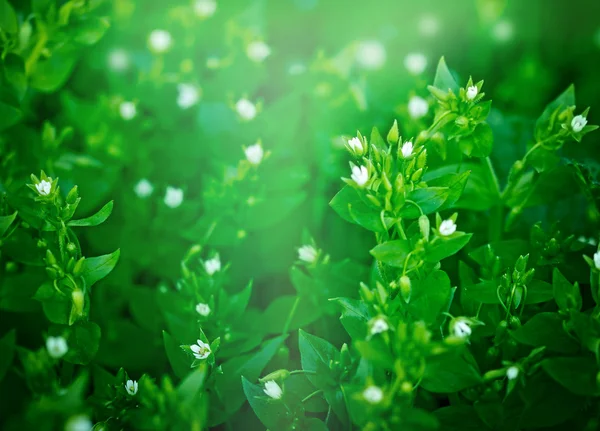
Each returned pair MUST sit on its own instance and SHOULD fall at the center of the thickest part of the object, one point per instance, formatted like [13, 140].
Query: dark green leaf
[451, 372]
[96, 268]
[446, 247]
[179, 360]
[429, 200]
[566, 295]
[83, 339]
[5, 222]
[479, 143]
[546, 329]
[7, 351]
[576, 374]
[98, 218]
[392, 252]
[430, 297]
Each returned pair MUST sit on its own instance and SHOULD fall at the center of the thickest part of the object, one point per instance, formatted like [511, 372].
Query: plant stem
[497, 213]
[37, 50]
[309, 396]
[288, 322]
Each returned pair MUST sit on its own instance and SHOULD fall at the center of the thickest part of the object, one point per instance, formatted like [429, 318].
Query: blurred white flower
[273, 390]
[143, 188]
[160, 41]
[415, 63]
[407, 149]
[597, 260]
[78, 423]
[429, 25]
[212, 265]
[131, 387]
[360, 175]
[205, 8]
[57, 347]
[447, 227]
[188, 95]
[200, 350]
[512, 372]
[472, 92]
[370, 55]
[118, 60]
[245, 109]
[373, 394]
[44, 187]
[254, 153]
[127, 110]
[203, 309]
[173, 197]
[258, 51]
[378, 325]
[503, 31]
[461, 328]
[355, 145]
[417, 107]
[578, 123]
[307, 253]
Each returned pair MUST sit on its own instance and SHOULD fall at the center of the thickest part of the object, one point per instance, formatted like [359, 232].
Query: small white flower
[131, 387]
[578, 123]
[258, 51]
[203, 309]
[512, 372]
[472, 92]
[273, 390]
[118, 60]
[597, 260]
[360, 175]
[356, 145]
[417, 107]
[173, 197]
[254, 154]
[160, 41]
[245, 109]
[127, 110]
[307, 253]
[371, 55]
[447, 227]
[200, 350]
[143, 188]
[373, 394]
[461, 328]
[56, 346]
[407, 149]
[503, 31]
[44, 187]
[378, 325]
[188, 95]
[79, 423]
[205, 8]
[212, 265]
[415, 63]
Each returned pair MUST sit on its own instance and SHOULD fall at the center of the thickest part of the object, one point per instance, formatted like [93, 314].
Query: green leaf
[179, 360]
[455, 183]
[7, 351]
[349, 206]
[544, 124]
[446, 247]
[376, 352]
[5, 222]
[9, 115]
[429, 199]
[392, 252]
[451, 372]
[444, 79]
[14, 71]
[315, 355]
[272, 413]
[98, 218]
[546, 329]
[430, 297]
[354, 318]
[538, 291]
[8, 18]
[90, 30]
[83, 340]
[96, 268]
[576, 374]
[479, 143]
[484, 292]
[566, 295]
[50, 74]
[459, 418]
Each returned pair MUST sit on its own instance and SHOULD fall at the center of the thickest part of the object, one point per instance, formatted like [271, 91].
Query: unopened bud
[462, 122]
[78, 301]
[72, 196]
[50, 259]
[78, 268]
[275, 375]
[424, 226]
[405, 288]
[71, 248]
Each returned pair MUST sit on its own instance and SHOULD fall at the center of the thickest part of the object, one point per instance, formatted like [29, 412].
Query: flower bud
[521, 264]
[78, 301]
[424, 226]
[72, 196]
[52, 273]
[275, 375]
[406, 387]
[462, 122]
[393, 134]
[405, 288]
[514, 322]
[50, 259]
[422, 159]
[41, 244]
[78, 268]
[552, 248]
[71, 248]
[416, 176]
[71, 264]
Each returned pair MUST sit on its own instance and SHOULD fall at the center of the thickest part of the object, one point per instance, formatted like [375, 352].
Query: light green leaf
[96, 219]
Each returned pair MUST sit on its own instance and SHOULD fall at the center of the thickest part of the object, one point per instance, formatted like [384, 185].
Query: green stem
[302, 372]
[37, 50]
[288, 322]
[309, 396]
[497, 212]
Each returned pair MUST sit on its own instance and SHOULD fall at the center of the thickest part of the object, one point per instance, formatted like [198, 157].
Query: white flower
[79, 423]
[254, 154]
[503, 31]
[415, 63]
[205, 8]
[200, 350]
[173, 197]
[356, 145]
[512, 372]
[118, 59]
[417, 107]
[160, 41]
[188, 95]
[56, 346]
[360, 175]
[370, 55]
[203, 309]
[373, 394]
[127, 110]
[131, 387]
[461, 328]
[212, 265]
[472, 92]
[597, 260]
[143, 188]
[378, 325]
[307, 253]
[273, 390]
[407, 149]
[447, 227]
[245, 109]
[578, 123]
[44, 187]
[258, 51]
